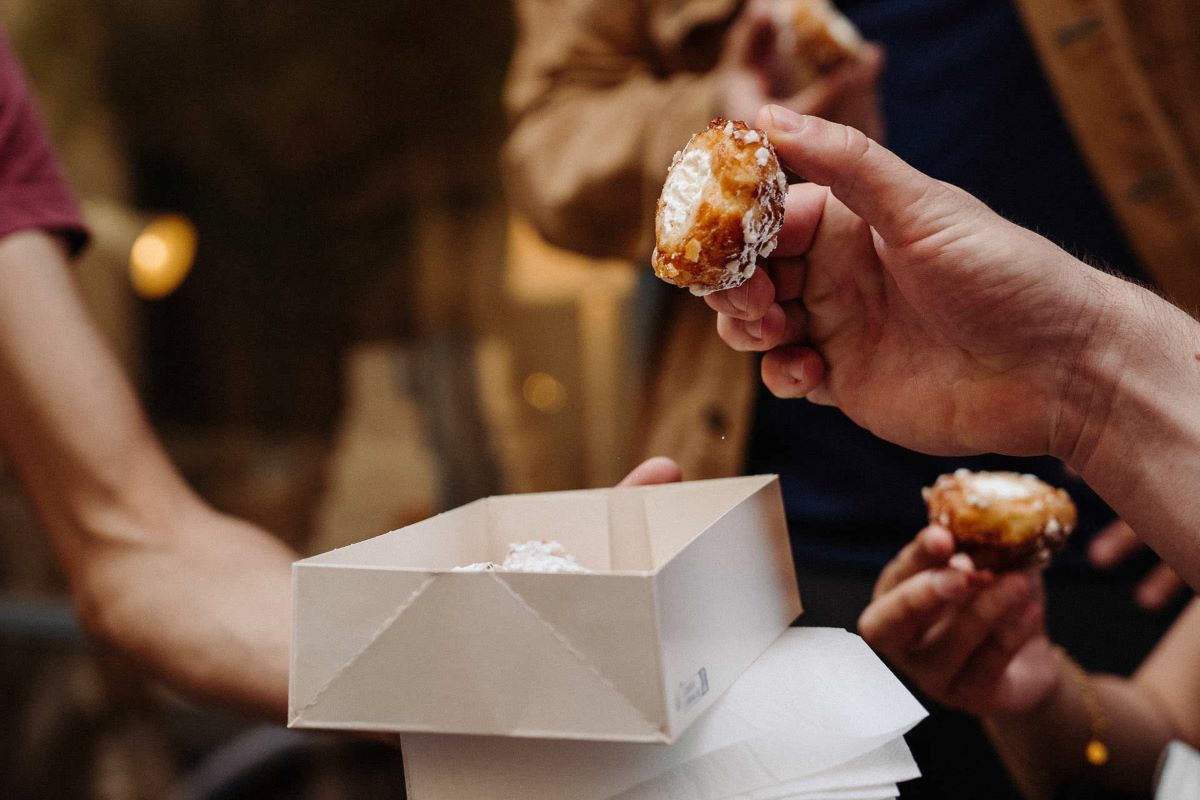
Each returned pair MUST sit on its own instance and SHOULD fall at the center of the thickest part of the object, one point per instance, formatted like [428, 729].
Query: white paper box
[691, 583]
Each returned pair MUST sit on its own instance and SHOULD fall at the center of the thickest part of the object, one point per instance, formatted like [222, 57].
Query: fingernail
[754, 329]
[784, 120]
[737, 299]
[962, 561]
[795, 371]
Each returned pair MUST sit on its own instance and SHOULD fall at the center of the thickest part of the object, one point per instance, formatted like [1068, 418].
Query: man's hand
[752, 72]
[968, 638]
[908, 304]
[1162, 585]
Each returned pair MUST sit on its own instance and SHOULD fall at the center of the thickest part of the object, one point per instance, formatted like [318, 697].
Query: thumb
[899, 202]
[659, 469]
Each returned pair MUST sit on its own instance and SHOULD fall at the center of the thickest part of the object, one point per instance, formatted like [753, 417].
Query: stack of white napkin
[817, 717]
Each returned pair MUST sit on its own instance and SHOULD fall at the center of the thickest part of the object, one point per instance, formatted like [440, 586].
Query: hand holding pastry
[970, 639]
[805, 56]
[908, 304]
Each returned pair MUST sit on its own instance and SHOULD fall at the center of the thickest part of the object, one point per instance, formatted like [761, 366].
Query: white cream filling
[1001, 487]
[683, 191]
[982, 489]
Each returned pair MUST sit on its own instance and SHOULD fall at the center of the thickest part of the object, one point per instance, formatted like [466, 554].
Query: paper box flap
[351, 619]
[458, 673]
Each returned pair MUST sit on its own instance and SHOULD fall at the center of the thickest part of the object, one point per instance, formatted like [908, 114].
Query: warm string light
[162, 256]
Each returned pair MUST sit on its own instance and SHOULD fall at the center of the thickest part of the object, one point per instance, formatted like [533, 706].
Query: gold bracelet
[1096, 752]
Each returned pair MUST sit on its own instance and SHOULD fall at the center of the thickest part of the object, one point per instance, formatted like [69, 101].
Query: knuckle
[855, 144]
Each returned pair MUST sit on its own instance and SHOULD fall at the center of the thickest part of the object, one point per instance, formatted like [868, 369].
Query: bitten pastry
[1003, 520]
[720, 209]
[815, 37]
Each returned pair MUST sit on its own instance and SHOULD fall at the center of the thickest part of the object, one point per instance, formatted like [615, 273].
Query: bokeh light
[162, 256]
[544, 392]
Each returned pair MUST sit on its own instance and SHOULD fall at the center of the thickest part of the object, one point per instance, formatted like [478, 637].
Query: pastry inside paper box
[536, 555]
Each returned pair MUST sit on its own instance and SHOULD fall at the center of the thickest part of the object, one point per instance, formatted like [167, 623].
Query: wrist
[1131, 389]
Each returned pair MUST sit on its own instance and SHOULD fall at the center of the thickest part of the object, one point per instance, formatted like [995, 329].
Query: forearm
[1139, 440]
[136, 545]
[1045, 748]
[80, 446]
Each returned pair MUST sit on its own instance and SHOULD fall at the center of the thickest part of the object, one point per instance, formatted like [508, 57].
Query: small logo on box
[691, 690]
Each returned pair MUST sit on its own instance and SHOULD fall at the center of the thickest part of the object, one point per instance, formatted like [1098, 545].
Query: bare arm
[1142, 715]
[976, 642]
[1136, 420]
[198, 598]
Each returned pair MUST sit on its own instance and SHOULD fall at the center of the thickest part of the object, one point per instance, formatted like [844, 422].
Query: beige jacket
[602, 92]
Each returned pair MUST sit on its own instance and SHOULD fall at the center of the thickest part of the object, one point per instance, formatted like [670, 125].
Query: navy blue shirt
[965, 101]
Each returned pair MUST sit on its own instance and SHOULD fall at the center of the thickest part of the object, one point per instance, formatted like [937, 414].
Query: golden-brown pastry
[720, 209]
[1003, 520]
[815, 37]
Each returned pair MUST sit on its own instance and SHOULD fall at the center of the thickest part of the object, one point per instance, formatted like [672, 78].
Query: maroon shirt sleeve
[33, 191]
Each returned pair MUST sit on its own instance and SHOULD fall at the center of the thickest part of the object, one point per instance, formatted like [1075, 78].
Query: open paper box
[691, 583]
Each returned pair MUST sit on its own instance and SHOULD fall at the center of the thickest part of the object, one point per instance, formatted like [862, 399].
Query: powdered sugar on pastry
[720, 210]
[1004, 520]
[532, 556]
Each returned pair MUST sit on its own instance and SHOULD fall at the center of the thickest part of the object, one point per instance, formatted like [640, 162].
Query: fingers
[897, 620]
[802, 212]
[949, 647]
[957, 643]
[751, 37]
[932, 547]
[901, 203]
[818, 97]
[1118, 542]
[659, 469]
[976, 682]
[1159, 589]
[1113, 544]
[781, 325]
[792, 371]
[749, 301]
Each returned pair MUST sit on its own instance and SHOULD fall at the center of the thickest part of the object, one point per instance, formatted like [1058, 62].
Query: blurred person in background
[197, 598]
[192, 596]
[1075, 119]
[1023, 349]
